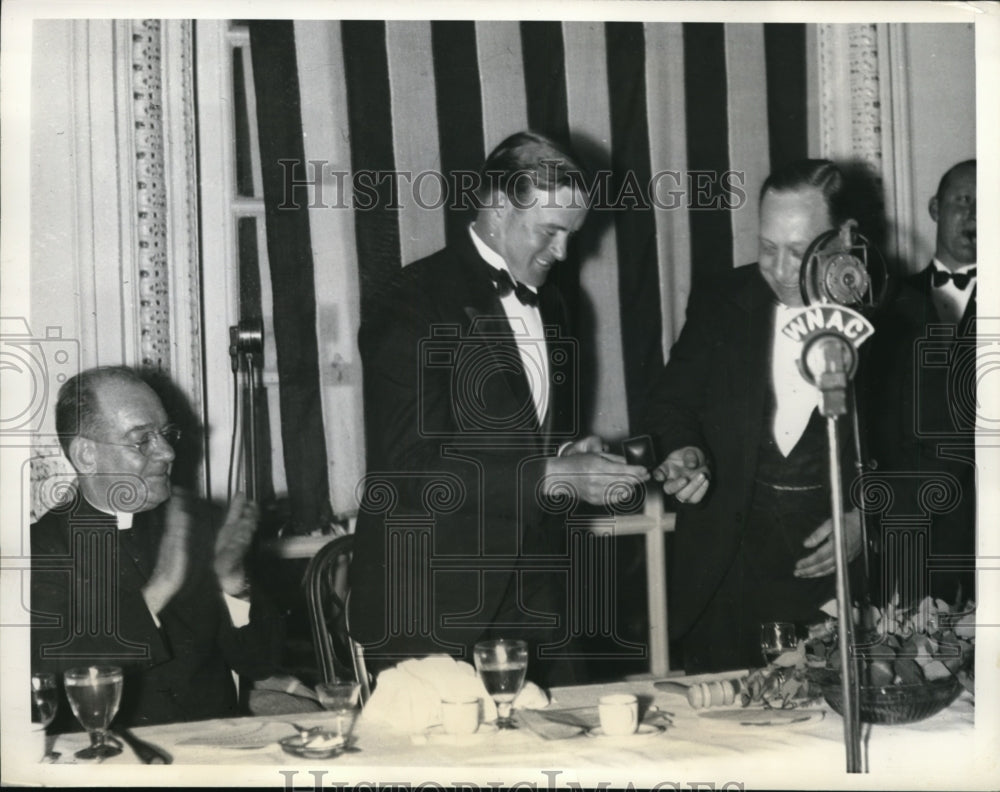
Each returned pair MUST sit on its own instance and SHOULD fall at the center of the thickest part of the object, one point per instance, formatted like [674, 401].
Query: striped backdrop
[673, 105]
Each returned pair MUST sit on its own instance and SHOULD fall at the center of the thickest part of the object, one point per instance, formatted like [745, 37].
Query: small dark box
[639, 451]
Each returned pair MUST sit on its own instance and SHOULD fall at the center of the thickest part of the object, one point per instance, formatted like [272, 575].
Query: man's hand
[823, 562]
[684, 474]
[172, 557]
[591, 444]
[600, 479]
[232, 544]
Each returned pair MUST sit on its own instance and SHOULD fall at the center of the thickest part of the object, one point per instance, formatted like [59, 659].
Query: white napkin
[407, 698]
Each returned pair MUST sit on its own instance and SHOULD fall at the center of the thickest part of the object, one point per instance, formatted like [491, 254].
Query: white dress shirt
[794, 397]
[529, 332]
[950, 300]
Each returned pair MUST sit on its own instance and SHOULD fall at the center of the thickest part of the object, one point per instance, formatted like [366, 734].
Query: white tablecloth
[937, 752]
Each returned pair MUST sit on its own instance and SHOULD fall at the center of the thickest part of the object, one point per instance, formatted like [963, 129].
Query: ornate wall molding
[864, 114]
[180, 150]
[866, 105]
[150, 193]
[126, 201]
[851, 106]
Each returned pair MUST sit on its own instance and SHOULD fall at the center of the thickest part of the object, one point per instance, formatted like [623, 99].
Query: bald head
[111, 425]
[953, 208]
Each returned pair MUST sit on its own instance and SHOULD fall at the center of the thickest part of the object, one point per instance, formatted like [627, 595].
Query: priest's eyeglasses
[170, 433]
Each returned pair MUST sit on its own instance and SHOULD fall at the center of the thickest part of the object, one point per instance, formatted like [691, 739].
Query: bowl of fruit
[912, 663]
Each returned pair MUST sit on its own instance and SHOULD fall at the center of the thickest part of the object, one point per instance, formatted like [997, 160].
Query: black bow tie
[506, 284]
[960, 279]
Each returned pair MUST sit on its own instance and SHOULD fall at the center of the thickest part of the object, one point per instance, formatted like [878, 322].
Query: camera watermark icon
[950, 367]
[32, 369]
[483, 372]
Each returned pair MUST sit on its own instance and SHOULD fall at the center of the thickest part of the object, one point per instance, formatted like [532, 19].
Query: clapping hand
[172, 558]
[684, 474]
[232, 544]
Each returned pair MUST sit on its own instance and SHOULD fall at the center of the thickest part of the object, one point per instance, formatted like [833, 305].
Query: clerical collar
[124, 519]
[491, 257]
[941, 267]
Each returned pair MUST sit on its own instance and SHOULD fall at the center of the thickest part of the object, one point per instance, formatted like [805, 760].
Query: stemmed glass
[44, 703]
[94, 693]
[340, 698]
[776, 638]
[502, 665]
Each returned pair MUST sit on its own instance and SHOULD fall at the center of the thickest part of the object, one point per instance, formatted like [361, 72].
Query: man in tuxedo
[471, 415]
[128, 573]
[743, 446]
[923, 406]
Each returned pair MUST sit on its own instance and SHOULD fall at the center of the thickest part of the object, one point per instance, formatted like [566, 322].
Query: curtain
[683, 119]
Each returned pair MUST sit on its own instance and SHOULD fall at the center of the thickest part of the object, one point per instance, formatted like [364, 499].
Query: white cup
[460, 716]
[619, 714]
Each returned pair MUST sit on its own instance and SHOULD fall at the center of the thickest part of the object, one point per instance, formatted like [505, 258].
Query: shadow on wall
[866, 199]
[189, 450]
[594, 156]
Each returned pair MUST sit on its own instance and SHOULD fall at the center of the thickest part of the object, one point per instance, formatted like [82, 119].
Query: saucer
[644, 730]
[764, 717]
[437, 734]
[322, 745]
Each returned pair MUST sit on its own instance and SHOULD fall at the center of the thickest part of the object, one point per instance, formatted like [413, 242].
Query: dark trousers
[759, 585]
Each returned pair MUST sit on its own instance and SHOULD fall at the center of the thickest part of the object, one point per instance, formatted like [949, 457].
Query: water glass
[502, 666]
[94, 693]
[776, 638]
[44, 704]
[341, 699]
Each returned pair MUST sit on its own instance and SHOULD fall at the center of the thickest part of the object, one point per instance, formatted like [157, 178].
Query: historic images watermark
[549, 780]
[316, 184]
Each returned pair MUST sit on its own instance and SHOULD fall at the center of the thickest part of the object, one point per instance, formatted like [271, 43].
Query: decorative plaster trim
[851, 118]
[866, 104]
[150, 193]
[180, 149]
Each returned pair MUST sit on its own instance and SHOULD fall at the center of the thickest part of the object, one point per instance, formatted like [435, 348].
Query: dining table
[676, 747]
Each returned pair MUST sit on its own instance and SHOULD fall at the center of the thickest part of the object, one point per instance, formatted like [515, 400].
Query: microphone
[843, 267]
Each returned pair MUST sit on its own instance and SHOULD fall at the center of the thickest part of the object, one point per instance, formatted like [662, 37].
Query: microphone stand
[250, 388]
[246, 345]
[832, 380]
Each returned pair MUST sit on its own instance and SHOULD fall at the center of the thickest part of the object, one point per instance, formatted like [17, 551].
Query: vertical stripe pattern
[602, 382]
[415, 145]
[787, 117]
[708, 148]
[291, 270]
[460, 114]
[502, 76]
[370, 125]
[545, 67]
[749, 158]
[638, 277]
[335, 252]
[667, 157]
[664, 110]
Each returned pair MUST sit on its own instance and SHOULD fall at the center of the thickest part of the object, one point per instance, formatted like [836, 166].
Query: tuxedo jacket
[455, 451]
[922, 425]
[87, 609]
[713, 394]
